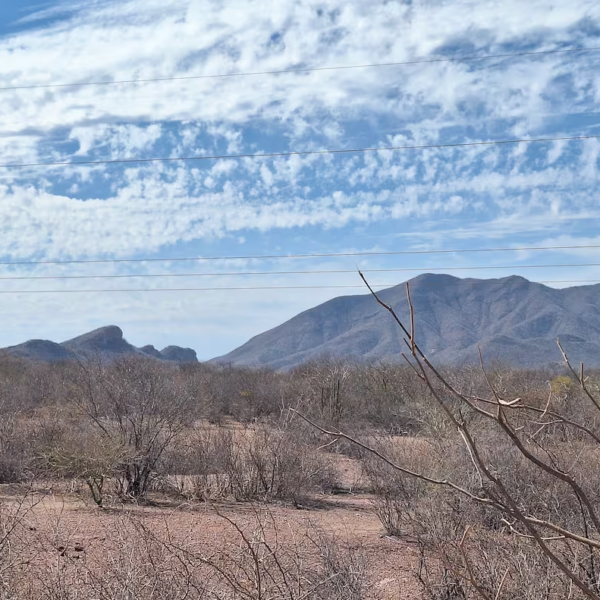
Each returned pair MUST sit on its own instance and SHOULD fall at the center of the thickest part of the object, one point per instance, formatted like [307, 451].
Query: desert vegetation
[482, 480]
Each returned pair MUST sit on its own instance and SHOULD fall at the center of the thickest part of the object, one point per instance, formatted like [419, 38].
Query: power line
[284, 287]
[282, 256]
[205, 289]
[293, 153]
[420, 61]
[312, 272]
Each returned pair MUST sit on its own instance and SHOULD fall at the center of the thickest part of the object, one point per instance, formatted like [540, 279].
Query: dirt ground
[61, 526]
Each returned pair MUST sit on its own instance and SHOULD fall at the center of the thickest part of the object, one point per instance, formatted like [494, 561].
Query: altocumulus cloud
[430, 198]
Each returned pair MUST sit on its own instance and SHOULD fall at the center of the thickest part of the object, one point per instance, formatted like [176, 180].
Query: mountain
[512, 319]
[151, 350]
[178, 354]
[43, 350]
[106, 342]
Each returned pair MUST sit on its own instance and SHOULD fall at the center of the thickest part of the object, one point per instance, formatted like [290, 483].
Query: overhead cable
[301, 256]
[311, 272]
[419, 61]
[285, 287]
[295, 153]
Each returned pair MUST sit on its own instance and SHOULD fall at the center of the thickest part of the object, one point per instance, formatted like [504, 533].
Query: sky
[457, 198]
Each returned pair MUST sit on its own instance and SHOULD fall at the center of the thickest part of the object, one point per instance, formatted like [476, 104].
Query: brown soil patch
[66, 528]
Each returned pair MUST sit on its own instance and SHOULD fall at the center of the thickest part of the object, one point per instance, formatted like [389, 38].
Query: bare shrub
[240, 393]
[137, 566]
[262, 565]
[263, 463]
[84, 455]
[14, 456]
[137, 406]
[12, 527]
[396, 493]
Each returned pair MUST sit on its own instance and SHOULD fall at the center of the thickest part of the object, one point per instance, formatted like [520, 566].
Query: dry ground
[63, 528]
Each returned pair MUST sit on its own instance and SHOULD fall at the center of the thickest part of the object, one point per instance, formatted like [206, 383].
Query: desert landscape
[139, 478]
[299, 300]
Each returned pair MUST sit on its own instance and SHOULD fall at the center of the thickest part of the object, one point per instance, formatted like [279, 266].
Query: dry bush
[84, 455]
[498, 558]
[138, 406]
[380, 394]
[263, 463]
[265, 562]
[22, 436]
[396, 494]
[132, 565]
[111, 422]
[463, 557]
[239, 393]
[13, 517]
[276, 464]
[14, 455]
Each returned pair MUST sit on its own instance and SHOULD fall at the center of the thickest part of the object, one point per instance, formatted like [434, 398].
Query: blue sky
[477, 197]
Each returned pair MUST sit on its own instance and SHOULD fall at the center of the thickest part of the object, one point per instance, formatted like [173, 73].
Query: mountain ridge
[107, 342]
[512, 319]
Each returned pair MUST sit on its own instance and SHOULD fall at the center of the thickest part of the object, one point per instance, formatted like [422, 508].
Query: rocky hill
[106, 342]
[512, 319]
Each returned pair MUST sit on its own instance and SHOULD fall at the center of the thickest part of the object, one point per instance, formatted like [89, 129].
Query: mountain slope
[512, 319]
[41, 350]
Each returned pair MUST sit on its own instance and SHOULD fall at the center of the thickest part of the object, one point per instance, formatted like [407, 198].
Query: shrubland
[490, 471]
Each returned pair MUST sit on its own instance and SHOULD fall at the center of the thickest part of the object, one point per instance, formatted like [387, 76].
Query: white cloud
[429, 197]
[156, 206]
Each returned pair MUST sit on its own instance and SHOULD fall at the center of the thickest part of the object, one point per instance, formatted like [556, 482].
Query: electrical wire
[286, 287]
[301, 256]
[419, 61]
[314, 272]
[295, 153]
